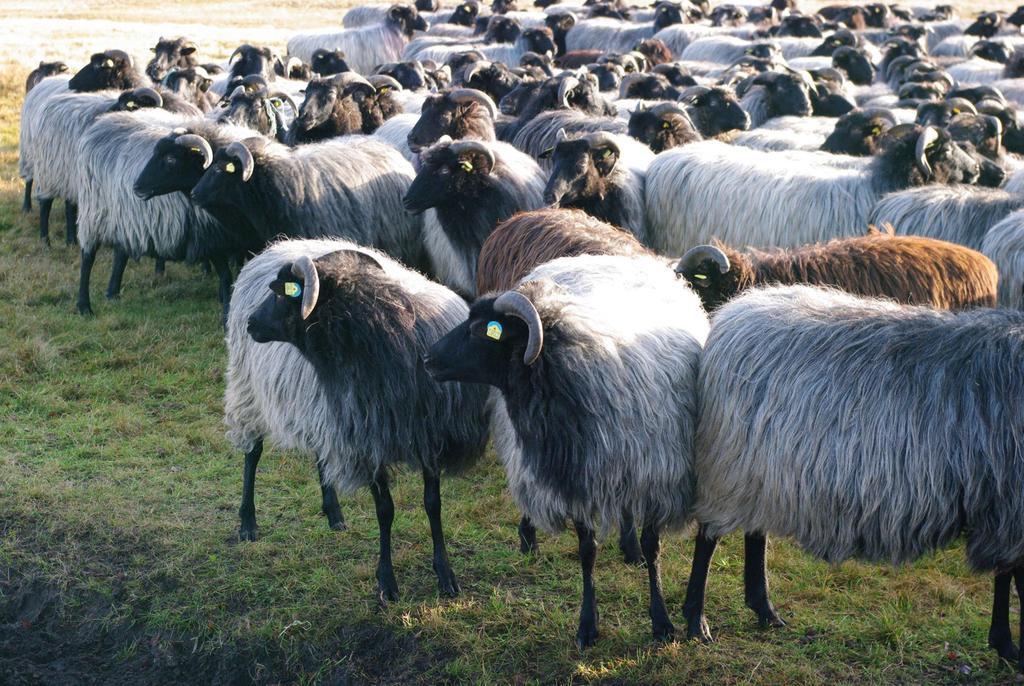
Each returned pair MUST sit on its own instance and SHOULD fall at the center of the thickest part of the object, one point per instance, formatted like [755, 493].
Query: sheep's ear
[605, 160]
[189, 48]
[546, 154]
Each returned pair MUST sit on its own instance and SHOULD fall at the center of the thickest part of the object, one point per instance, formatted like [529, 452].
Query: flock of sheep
[739, 265]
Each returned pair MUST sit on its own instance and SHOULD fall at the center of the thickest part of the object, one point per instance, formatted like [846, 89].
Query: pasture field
[119, 561]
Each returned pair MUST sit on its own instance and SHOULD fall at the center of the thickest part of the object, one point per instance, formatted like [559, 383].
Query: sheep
[31, 109]
[367, 15]
[330, 109]
[528, 239]
[328, 62]
[348, 187]
[663, 126]
[170, 54]
[937, 401]
[773, 94]
[745, 196]
[246, 60]
[192, 85]
[44, 70]
[594, 362]
[108, 70]
[253, 106]
[467, 188]
[909, 269]
[365, 47]
[714, 110]
[619, 36]
[603, 175]
[59, 125]
[541, 134]
[1004, 245]
[858, 132]
[111, 154]
[462, 113]
[328, 362]
[536, 40]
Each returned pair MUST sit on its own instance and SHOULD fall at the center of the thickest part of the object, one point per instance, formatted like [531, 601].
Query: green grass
[118, 494]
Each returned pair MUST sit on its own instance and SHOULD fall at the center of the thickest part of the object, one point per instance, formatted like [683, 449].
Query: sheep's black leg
[755, 580]
[1018, 575]
[71, 222]
[446, 582]
[117, 273]
[247, 529]
[387, 587]
[224, 294]
[45, 205]
[999, 636]
[26, 203]
[329, 502]
[661, 625]
[628, 543]
[161, 266]
[88, 257]
[527, 536]
[693, 607]
[586, 636]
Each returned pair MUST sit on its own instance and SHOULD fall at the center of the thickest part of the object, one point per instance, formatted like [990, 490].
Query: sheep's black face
[609, 76]
[799, 26]
[938, 113]
[858, 133]
[728, 15]
[483, 349]
[993, 51]
[279, 317]
[133, 100]
[188, 83]
[437, 118]
[667, 14]
[841, 38]
[855, 64]
[50, 69]
[407, 19]
[662, 132]
[828, 100]
[106, 70]
[249, 60]
[328, 63]
[502, 30]
[576, 170]
[221, 184]
[878, 15]
[982, 131]
[496, 80]
[986, 25]
[1017, 18]
[716, 111]
[790, 96]
[991, 174]
[677, 75]
[513, 102]
[650, 87]
[714, 287]
[503, 6]
[465, 14]
[170, 54]
[945, 161]
[410, 74]
[540, 41]
[252, 109]
[172, 167]
[446, 178]
[321, 96]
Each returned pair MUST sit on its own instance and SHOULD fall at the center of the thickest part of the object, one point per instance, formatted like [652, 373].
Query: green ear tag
[494, 330]
[292, 289]
[466, 165]
[229, 167]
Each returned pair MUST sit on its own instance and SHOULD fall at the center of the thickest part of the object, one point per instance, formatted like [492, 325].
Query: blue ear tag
[494, 330]
[292, 289]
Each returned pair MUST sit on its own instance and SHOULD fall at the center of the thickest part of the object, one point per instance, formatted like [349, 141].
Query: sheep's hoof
[1003, 645]
[586, 637]
[634, 558]
[45, 240]
[528, 547]
[338, 525]
[447, 584]
[85, 309]
[663, 630]
[698, 628]
[113, 296]
[770, 619]
[387, 588]
[247, 532]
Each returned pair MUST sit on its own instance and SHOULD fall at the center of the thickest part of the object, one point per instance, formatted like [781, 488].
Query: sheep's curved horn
[694, 256]
[963, 104]
[475, 146]
[472, 70]
[467, 95]
[235, 54]
[290, 64]
[195, 142]
[994, 124]
[306, 270]
[380, 81]
[287, 98]
[926, 139]
[347, 78]
[518, 305]
[564, 88]
[881, 113]
[602, 139]
[244, 157]
[665, 109]
[146, 91]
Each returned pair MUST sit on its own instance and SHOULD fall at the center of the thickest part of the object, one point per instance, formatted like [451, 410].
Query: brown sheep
[909, 269]
[528, 239]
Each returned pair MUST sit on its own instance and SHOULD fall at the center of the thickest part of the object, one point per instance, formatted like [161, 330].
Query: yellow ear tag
[699, 276]
[875, 130]
[229, 167]
[956, 111]
[465, 165]
[292, 289]
[195, 149]
[606, 153]
[383, 89]
[494, 330]
[130, 105]
[665, 125]
[109, 64]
